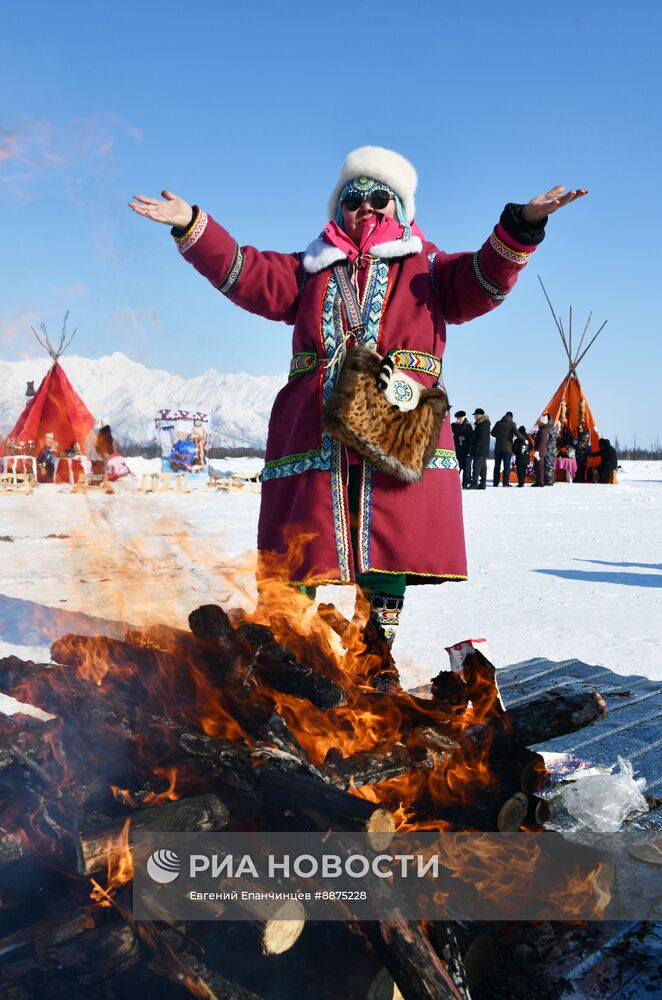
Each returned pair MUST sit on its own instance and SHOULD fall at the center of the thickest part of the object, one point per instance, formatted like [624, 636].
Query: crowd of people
[515, 449]
[96, 459]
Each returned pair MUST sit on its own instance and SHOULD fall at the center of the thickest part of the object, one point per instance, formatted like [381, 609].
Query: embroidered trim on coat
[304, 361]
[443, 458]
[407, 360]
[236, 267]
[365, 516]
[495, 293]
[292, 465]
[414, 572]
[332, 336]
[373, 303]
[515, 256]
[419, 361]
[193, 233]
[338, 507]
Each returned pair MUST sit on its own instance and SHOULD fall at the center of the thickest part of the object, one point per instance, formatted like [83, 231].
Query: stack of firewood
[241, 726]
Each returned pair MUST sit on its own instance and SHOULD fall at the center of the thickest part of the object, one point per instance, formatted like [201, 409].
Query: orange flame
[120, 866]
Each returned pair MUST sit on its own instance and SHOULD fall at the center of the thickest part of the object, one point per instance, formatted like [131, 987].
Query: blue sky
[249, 109]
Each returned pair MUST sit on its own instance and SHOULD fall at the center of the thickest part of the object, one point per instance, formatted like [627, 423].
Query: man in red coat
[327, 515]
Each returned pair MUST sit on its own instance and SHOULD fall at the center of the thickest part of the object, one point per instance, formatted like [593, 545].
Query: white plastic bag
[602, 802]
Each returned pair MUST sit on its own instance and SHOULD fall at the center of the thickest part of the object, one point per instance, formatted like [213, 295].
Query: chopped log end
[283, 931]
[539, 811]
[513, 813]
[381, 821]
[382, 987]
[380, 829]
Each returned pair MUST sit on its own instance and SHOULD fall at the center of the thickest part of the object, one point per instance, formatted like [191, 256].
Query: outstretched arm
[265, 283]
[470, 285]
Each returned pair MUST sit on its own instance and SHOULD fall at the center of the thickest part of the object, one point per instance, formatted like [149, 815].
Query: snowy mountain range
[127, 395]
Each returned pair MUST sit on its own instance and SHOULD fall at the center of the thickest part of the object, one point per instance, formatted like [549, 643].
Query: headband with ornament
[364, 186]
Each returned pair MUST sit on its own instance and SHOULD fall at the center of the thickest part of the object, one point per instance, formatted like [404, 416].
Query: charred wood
[109, 949]
[443, 936]
[326, 806]
[252, 649]
[411, 960]
[98, 848]
[184, 969]
[543, 719]
[427, 750]
[48, 932]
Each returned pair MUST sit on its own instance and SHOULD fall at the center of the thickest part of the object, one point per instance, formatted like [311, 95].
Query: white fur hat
[382, 165]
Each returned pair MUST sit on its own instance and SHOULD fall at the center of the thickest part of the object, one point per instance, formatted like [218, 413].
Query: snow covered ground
[574, 571]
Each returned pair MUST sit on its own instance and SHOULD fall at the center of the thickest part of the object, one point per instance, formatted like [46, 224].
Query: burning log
[111, 948]
[140, 671]
[473, 681]
[183, 969]
[14, 671]
[411, 960]
[277, 925]
[176, 641]
[46, 933]
[326, 806]
[98, 848]
[252, 648]
[543, 719]
[387, 760]
[443, 936]
[368, 767]
[202, 981]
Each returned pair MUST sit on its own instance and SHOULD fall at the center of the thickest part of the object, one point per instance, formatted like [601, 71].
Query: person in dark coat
[462, 433]
[504, 433]
[479, 449]
[582, 452]
[521, 451]
[540, 445]
[105, 447]
[608, 459]
[551, 451]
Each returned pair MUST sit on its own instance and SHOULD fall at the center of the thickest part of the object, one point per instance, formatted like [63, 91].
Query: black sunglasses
[377, 199]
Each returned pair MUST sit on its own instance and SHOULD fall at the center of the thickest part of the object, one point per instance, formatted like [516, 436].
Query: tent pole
[584, 333]
[593, 339]
[559, 325]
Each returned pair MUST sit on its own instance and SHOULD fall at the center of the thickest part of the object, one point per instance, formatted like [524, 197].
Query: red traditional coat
[410, 291]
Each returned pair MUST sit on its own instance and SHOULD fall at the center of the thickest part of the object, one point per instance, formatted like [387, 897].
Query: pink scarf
[377, 230]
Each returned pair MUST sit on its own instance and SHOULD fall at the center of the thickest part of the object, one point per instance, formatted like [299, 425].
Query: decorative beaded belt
[306, 361]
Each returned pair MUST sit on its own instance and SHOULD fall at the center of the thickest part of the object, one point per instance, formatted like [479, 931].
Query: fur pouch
[397, 441]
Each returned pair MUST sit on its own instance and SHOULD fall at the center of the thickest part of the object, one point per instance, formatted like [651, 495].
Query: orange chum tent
[569, 406]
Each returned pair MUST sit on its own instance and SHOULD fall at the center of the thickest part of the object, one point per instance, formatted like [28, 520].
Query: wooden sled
[164, 482]
[235, 483]
[17, 482]
[93, 483]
